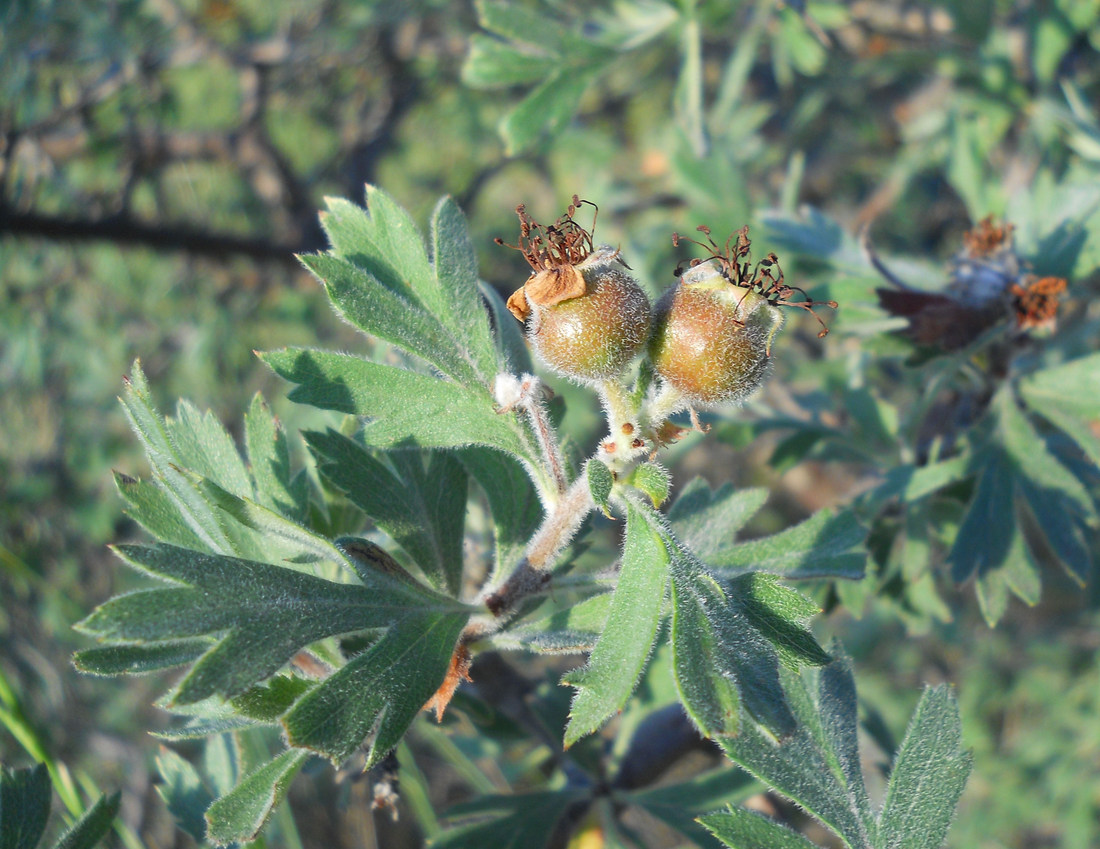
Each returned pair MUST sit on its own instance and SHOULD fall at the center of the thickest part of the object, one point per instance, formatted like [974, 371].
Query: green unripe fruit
[711, 339]
[586, 317]
[595, 335]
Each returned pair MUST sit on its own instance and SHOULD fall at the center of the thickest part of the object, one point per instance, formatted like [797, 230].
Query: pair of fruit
[708, 337]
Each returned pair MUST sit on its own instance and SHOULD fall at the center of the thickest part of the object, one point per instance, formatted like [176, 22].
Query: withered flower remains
[586, 317]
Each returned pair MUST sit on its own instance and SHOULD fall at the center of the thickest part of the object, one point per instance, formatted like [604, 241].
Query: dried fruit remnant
[987, 285]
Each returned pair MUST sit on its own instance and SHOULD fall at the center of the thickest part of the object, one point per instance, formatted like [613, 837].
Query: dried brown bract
[553, 252]
[987, 285]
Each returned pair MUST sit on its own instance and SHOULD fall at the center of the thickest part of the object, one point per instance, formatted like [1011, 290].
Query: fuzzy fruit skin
[711, 340]
[596, 335]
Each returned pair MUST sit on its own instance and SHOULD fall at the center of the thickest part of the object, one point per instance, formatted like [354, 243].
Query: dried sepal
[457, 672]
[1035, 301]
[987, 285]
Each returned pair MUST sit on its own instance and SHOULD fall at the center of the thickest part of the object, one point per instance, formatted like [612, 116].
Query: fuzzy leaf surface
[383, 240]
[929, 774]
[262, 614]
[653, 480]
[827, 545]
[24, 806]
[817, 766]
[167, 460]
[720, 659]
[269, 459]
[379, 692]
[403, 406]
[739, 828]
[377, 311]
[419, 501]
[153, 507]
[600, 483]
[454, 262]
[708, 520]
[238, 816]
[133, 659]
[624, 646]
[92, 826]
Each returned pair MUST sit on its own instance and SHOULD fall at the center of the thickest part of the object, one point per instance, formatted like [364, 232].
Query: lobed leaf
[454, 262]
[806, 767]
[624, 646]
[383, 240]
[546, 109]
[929, 774]
[403, 406]
[720, 659]
[1029, 454]
[262, 615]
[778, 612]
[167, 461]
[379, 692]
[154, 508]
[269, 459]
[1073, 388]
[205, 448]
[711, 699]
[573, 629]
[418, 499]
[986, 533]
[239, 815]
[826, 545]
[24, 806]
[377, 311]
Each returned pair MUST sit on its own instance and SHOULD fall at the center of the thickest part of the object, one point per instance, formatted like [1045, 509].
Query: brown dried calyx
[987, 286]
[553, 252]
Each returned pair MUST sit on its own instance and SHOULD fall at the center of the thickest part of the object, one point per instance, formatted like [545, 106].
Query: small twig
[533, 572]
[525, 393]
[876, 262]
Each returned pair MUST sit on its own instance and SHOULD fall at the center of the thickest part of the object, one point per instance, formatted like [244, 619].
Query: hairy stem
[533, 571]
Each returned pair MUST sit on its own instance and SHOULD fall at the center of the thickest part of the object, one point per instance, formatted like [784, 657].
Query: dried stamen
[765, 279]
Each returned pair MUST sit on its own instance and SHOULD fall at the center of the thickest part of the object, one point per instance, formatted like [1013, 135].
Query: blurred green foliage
[159, 156]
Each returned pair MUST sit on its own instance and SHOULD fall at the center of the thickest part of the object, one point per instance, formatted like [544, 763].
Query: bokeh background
[162, 160]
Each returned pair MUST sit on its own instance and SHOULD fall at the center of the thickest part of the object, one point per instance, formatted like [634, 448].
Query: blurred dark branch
[662, 739]
[126, 231]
